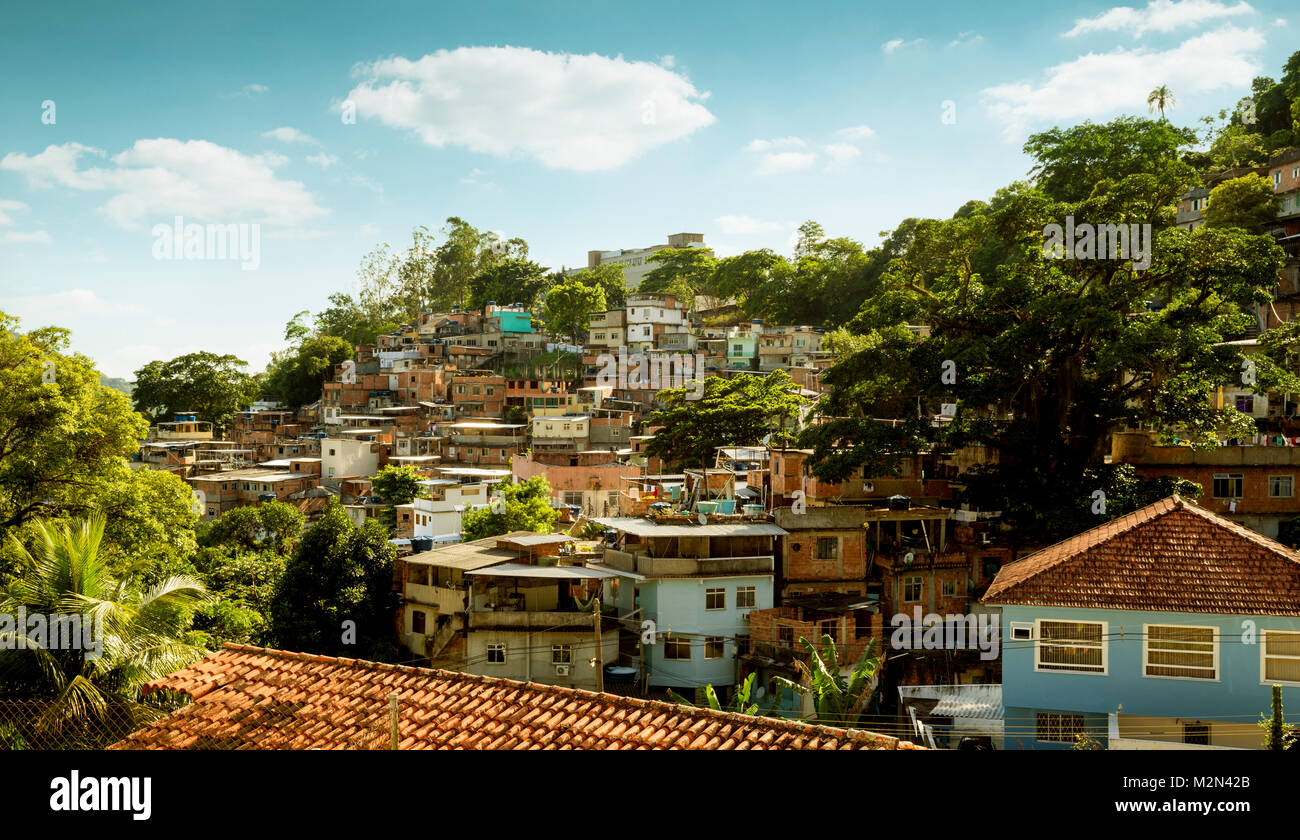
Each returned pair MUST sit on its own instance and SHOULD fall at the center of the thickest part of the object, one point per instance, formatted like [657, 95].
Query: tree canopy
[211, 386]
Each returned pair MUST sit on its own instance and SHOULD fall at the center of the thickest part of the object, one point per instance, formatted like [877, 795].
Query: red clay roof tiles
[1171, 556]
[255, 698]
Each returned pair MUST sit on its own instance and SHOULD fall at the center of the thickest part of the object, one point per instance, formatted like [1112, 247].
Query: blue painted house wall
[677, 606]
[1239, 693]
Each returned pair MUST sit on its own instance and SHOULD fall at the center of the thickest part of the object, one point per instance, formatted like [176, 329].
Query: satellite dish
[760, 692]
[907, 558]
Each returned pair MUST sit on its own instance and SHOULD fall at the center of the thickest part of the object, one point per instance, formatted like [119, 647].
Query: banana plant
[740, 701]
[840, 701]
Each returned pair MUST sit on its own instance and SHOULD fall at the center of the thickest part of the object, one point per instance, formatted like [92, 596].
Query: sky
[325, 129]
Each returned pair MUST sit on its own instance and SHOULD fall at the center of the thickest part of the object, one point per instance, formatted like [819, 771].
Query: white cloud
[323, 160]
[476, 178]
[71, 301]
[746, 225]
[777, 163]
[841, 153]
[36, 237]
[856, 132]
[1158, 16]
[890, 47]
[1280, 22]
[1105, 83]
[579, 112]
[965, 38]
[7, 206]
[288, 134]
[247, 91]
[366, 182]
[159, 178]
[775, 143]
[669, 61]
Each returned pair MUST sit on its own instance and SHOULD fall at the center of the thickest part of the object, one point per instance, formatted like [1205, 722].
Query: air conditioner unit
[562, 670]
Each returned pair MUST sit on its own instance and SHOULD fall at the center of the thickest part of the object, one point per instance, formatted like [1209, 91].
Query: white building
[636, 261]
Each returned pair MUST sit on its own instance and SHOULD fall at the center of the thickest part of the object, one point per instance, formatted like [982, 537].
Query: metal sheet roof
[646, 528]
[523, 570]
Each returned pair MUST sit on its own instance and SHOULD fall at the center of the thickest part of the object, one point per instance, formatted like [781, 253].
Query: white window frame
[720, 642]
[676, 643]
[1146, 663]
[715, 590]
[1290, 478]
[1237, 477]
[1025, 627]
[1058, 669]
[561, 654]
[907, 581]
[752, 592]
[1264, 657]
[492, 648]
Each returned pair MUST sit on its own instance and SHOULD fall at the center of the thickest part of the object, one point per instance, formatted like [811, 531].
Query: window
[785, 635]
[1280, 486]
[912, 587]
[746, 597]
[561, 654]
[1281, 653]
[573, 497]
[1022, 631]
[1228, 485]
[417, 621]
[1071, 646]
[948, 588]
[496, 654]
[1059, 728]
[828, 548]
[677, 649]
[829, 628]
[714, 647]
[715, 598]
[1246, 403]
[1277, 178]
[1180, 651]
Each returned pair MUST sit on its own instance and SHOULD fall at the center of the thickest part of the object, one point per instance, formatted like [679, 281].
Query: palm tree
[1161, 98]
[86, 693]
[840, 701]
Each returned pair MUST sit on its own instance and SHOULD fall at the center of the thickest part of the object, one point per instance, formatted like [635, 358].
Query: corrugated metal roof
[646, 528]
[524, 570]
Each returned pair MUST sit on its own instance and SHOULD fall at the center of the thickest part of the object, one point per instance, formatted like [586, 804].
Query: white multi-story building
[636, 261]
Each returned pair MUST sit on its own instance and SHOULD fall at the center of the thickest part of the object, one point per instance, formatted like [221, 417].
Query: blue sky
[573, 125]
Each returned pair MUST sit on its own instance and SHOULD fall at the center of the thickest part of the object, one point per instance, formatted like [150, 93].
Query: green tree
[838, 700]
[1045, 358]
[211, 386]
[271, 526]
[1278, 734]
[1160, 99]
[742, 410]
[1247, 202]
[509, 280]
[684, 272]
[297, 376]
[336, 595]
[741, 699]
[1237, 146]
[1074, 161]
[89, 695]
[523, 506]
[58, 439]
[397, 485]
[608, 276]
[569, 307]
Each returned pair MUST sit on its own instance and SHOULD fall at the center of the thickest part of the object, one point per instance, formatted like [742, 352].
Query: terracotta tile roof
[1171, 556]
[255, 698]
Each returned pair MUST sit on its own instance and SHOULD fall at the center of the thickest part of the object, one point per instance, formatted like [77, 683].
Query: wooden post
[600, 666]
[392, 720]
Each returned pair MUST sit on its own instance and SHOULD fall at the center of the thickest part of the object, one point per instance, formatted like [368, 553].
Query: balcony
[643, 564]
[525, 619]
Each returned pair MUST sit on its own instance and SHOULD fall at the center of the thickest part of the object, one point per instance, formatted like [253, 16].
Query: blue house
[696, 584]
[1163, 629]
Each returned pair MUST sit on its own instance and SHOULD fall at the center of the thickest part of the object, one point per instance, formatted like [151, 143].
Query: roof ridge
[619, 700]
